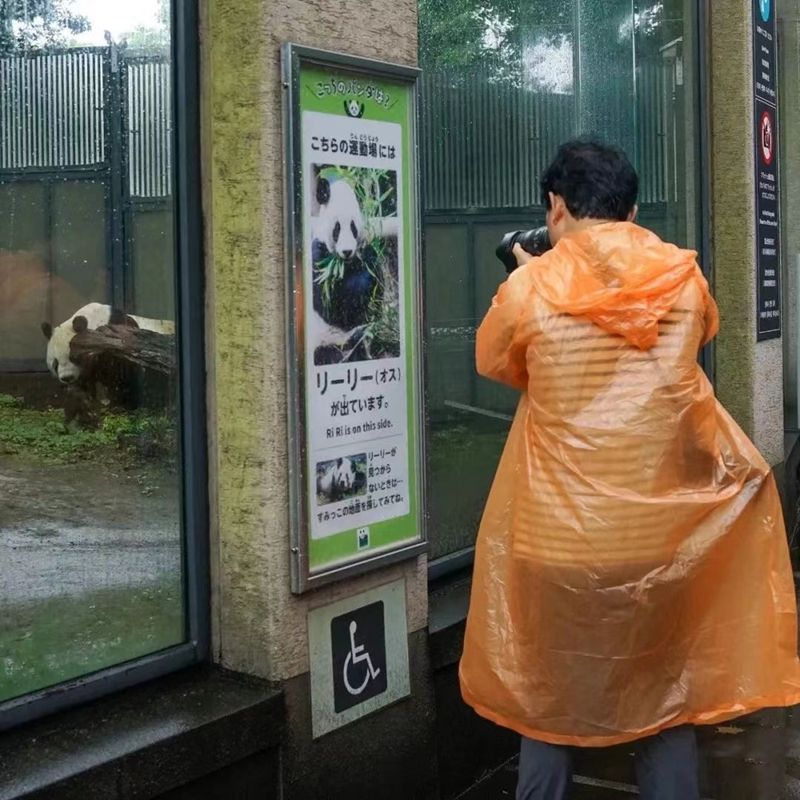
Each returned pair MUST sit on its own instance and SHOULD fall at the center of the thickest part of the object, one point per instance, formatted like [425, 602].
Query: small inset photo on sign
[354, 256]
[341, 478]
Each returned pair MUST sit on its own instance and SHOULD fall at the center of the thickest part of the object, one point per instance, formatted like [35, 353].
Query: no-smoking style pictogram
[767, 138]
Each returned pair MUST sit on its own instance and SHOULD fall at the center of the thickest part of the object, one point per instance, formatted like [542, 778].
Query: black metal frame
[190, 293]
[703, 104]
[302, 578]
[454, 564]
[115, 155]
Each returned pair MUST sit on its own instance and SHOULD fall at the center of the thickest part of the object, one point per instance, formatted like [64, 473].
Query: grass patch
[43, 436]
[55, 640]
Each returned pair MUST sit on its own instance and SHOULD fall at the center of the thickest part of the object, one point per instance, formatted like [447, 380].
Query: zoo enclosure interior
[104, 572]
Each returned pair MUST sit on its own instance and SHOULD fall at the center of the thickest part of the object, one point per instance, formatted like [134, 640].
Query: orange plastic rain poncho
[632, 570]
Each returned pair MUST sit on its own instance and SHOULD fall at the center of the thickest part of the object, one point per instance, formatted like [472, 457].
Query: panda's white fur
[338, 479]
[339, 227]
[340, 223]
[96, 315]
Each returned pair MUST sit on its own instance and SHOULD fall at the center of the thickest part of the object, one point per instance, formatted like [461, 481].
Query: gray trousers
[666, 768]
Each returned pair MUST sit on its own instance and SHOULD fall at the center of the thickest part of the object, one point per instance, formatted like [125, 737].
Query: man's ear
[558, 208]
[632, 215]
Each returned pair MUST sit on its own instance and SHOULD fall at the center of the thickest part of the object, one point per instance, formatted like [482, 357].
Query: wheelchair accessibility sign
[359, 656]
[358, 645]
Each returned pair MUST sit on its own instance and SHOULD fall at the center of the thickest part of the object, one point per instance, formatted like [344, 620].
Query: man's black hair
[597, 181]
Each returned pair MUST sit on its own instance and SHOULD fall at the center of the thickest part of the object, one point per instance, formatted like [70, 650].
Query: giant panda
[119, 379]
[89, 317]
[338, 325]
[337, 480]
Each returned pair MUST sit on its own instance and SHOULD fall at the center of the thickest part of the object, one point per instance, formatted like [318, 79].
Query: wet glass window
[91, 571]
[503, 85]
[789, 141]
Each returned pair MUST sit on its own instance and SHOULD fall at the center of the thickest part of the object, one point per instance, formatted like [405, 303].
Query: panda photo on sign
[341, 478]
[349, 280]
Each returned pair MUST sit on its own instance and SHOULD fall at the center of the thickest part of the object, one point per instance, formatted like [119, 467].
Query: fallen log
[147, 349]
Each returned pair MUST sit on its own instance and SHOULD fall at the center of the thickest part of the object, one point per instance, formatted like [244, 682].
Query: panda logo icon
[354, 109]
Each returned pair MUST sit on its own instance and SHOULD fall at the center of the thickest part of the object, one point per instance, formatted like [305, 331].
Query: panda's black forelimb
[349, 298]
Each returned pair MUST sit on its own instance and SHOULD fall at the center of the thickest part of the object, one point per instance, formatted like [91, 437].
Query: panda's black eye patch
[337, 229]
[354, 229]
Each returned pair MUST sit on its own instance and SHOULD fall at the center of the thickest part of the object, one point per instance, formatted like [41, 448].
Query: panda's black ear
[80, 324]
[119, 317]
[323, 191]
[47, 330]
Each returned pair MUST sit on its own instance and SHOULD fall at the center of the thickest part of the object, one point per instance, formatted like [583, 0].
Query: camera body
[536, 242]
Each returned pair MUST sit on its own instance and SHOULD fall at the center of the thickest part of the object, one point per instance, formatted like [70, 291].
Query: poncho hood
[620, 276]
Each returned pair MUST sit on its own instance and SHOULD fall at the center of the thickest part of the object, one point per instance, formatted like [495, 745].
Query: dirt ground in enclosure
[74, 529]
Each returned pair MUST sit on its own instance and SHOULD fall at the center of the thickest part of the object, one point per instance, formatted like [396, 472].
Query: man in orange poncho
[632, 576]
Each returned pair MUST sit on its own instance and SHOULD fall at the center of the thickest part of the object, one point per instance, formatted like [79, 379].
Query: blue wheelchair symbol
[766, 9]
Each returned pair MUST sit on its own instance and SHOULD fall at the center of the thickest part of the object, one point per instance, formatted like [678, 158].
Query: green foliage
[43, 436]
[151, 39]
[38, 24]
[384, 328]
[327, 272]
[462, 36]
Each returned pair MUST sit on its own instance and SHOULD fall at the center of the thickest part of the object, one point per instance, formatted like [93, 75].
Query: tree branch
[146, 349]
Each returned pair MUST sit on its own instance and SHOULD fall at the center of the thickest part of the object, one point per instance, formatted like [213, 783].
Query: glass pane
[78, 245]
[503, 85]
[789, 93]
[91, 551]
[152, 261]
[23, 275]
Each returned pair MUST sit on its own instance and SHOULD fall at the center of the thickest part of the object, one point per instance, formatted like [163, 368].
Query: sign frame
[766, 173]
[304, 575]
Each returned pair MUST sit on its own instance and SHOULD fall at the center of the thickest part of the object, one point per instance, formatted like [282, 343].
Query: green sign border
[322, 82]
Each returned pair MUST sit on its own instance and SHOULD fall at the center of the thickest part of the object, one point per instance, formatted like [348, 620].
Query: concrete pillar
[259, 627]
[746, 758]
[749, 374]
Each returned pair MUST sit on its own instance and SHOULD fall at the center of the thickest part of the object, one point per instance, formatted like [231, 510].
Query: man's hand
[521, 255]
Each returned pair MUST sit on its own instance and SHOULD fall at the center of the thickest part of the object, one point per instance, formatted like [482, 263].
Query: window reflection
[503, 86]
[90, 541]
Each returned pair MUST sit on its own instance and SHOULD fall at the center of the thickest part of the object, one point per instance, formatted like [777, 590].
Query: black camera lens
[536, 242]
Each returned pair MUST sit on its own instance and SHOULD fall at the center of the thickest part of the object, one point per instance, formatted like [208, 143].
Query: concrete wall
[749, 375]
[259, 627]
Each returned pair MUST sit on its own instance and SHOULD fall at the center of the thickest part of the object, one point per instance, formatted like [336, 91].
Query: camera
[535, 242]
